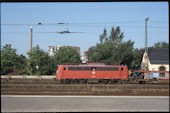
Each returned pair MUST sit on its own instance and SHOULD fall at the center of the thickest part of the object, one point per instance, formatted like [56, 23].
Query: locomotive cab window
[121, 69]
[64, 68]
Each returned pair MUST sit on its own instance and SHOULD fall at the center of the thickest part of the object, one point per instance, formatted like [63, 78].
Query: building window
[161, 68]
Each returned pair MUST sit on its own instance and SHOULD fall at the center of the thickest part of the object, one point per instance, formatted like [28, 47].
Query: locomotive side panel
[59, 73]
[124, 73]
[73, 72]
[92, 72]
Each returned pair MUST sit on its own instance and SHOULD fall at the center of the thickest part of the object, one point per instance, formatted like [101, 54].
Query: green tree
[103, 36]
[67, 55]
[161, 45]
[116, 35]
[8, 59]
[21, 64]
[11, 62]
[112, 50]
[89, 53]
[137, 58]
[39, 62]
[125, 53]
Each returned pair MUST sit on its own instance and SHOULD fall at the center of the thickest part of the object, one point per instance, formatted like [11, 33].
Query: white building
[53, 49]
[157, 59]
[83, 57]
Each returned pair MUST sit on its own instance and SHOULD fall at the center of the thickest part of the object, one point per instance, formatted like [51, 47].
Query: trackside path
[48, 103]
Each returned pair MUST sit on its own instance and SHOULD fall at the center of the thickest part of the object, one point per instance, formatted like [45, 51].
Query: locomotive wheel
[63, 81]
[67, 81]
[120, 82]
[114, 81]
[81, 81]
[105, 81]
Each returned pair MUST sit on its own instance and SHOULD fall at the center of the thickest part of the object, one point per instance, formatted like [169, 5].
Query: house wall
[144, 61]
[154, 67]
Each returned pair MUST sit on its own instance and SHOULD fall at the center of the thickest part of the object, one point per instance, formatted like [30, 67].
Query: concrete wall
[29, 76]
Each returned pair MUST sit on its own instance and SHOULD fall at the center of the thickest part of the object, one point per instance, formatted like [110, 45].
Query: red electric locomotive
[86, 73]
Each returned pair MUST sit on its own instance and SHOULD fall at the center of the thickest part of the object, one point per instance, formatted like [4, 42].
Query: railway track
[54, 81]
[52, 87]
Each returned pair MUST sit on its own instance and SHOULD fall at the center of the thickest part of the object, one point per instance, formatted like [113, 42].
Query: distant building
[157, 59]
[53, 49]
[83, 57]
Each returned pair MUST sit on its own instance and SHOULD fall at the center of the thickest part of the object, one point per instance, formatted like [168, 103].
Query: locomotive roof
[94, 65]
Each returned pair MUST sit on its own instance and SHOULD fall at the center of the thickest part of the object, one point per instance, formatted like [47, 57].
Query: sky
[87, 17]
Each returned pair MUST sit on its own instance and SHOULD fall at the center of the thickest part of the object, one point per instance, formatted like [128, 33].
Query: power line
[83, 25]
[91, 32]
[89, 24]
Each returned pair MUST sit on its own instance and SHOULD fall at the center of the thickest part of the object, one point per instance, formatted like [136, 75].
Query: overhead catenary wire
[85, 32]
[88, 24]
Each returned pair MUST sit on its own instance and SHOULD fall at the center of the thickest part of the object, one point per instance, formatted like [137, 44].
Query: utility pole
[146, 48]
[31, 38]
